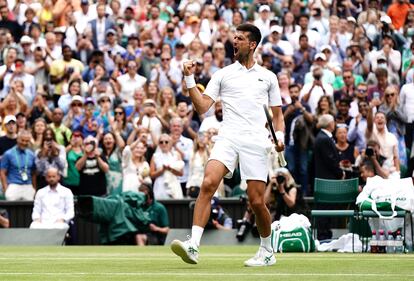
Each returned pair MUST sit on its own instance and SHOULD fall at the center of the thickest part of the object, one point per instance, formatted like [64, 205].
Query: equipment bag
[387, 195]
[292, 234]
[297, 240]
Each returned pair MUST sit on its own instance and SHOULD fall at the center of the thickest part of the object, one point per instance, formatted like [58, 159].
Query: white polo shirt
[129, 85]
[243, 92]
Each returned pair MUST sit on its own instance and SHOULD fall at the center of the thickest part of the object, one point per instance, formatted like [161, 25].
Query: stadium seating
[334, 192]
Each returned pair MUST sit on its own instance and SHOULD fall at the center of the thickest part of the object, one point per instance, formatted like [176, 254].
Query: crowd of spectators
[95, 90]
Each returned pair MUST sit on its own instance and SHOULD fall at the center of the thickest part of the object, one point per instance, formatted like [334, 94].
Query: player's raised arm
[201, 102]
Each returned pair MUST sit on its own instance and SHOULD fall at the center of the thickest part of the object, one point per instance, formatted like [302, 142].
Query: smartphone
[90, 146]
[105, 78]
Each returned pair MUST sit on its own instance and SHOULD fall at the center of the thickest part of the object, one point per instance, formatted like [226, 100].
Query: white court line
[149, 255]
[274, 274]
[171, 256]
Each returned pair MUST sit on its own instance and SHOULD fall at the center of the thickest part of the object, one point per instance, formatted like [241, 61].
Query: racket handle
[282, 160]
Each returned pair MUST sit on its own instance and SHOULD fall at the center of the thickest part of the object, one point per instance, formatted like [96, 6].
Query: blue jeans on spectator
[297, 164]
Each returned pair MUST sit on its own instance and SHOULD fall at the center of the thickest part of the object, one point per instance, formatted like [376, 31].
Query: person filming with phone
[312, 92]
[92, 168]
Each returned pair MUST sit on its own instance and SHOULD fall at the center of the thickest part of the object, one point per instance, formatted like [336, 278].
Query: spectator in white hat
[263, 22]
[74, 116]
[277, 47]
[387, 29]
[9, 139]
[149, 119]
[26, 43]
[333, 59]
[321, 61]
[315, 89]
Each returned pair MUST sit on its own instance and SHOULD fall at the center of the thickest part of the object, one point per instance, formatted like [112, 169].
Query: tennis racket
[280, 155]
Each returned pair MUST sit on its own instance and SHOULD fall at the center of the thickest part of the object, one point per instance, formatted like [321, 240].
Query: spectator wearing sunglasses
[75, 114]
[396, 119]
[119, 123]
[165, 168]
[90, 123]
[165, 74]
[104, 112]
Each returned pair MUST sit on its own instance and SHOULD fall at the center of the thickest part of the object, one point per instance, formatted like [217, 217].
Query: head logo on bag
[291, 234]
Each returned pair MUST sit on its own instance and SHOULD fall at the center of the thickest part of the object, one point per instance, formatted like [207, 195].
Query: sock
[196, 233]
[266, 242]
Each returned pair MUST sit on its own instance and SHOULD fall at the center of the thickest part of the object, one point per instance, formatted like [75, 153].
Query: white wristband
[189, 81]
[280, 136]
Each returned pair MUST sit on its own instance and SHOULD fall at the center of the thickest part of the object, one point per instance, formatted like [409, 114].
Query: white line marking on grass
[144, 256]
[29, 258]
[274, 274]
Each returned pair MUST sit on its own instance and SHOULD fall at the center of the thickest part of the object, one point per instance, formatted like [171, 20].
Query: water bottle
[390, 243]
[399, 247]
[382, 243]
[374, 242]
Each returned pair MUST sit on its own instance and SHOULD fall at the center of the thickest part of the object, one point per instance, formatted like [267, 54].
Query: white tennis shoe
[187, 250]
[262, 258]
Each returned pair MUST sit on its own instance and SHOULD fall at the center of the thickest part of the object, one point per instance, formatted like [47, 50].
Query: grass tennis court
[216, 263]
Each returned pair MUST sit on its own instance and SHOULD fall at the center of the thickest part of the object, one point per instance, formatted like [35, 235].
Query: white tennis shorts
[250, 152]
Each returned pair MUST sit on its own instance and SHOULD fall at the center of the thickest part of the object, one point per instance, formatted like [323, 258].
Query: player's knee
[209, 186]
[257, 204]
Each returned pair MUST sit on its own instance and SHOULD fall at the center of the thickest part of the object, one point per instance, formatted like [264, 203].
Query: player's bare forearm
[278, 120]
[201, 102]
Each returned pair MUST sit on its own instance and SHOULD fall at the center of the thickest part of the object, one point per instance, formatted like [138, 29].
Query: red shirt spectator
[398, 13]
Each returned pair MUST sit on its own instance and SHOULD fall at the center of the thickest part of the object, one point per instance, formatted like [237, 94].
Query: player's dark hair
[254, 32]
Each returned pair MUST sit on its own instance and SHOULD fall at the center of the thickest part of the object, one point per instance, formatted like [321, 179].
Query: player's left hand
[280, 146]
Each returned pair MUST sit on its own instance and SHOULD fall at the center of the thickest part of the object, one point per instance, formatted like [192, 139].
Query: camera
[243, 227]
[280, 179]
[317, 12]
[70, 70]
[214, 214]
[369, 151]
[317, 76]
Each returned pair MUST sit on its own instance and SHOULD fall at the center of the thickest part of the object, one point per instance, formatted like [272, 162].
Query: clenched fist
[189, 67]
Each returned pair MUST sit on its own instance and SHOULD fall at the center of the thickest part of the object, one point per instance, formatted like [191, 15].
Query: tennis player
[243, 88]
